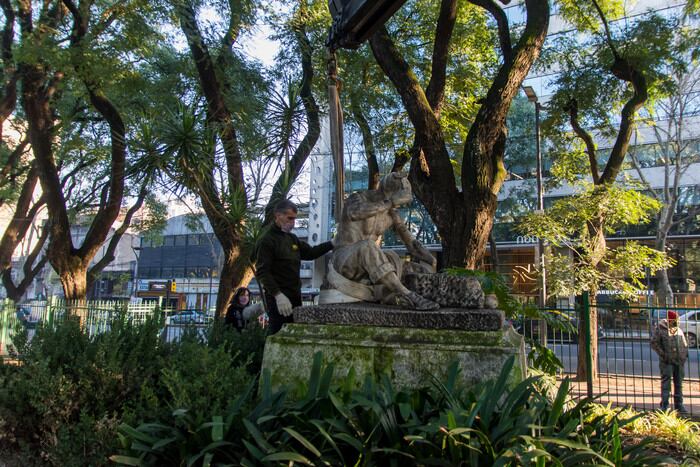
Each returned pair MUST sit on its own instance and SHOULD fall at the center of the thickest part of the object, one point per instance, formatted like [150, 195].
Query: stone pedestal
[408, 346]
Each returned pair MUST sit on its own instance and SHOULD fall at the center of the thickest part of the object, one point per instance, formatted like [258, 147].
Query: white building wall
[321, 188]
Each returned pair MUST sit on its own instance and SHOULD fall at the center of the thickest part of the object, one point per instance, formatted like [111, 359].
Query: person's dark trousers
[276, 319]
[671, 371]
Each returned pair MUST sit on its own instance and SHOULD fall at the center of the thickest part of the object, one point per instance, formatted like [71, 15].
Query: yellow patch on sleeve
[295, 247]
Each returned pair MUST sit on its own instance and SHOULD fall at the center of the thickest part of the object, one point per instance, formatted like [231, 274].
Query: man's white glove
[284, 306]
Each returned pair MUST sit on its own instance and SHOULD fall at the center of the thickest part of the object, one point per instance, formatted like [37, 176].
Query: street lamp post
[137, 255]
[532, 97]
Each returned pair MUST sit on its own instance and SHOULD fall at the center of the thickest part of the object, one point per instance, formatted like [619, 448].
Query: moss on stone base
[409, 356]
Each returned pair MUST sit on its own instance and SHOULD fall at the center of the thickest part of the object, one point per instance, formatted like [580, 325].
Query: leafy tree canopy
[566, 226]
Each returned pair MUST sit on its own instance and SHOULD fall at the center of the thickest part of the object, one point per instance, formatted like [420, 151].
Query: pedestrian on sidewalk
[669, 342]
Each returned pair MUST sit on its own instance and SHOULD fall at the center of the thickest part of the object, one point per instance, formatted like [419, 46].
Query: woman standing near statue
[241, 310]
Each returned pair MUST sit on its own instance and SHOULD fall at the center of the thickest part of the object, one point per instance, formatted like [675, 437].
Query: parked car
[188, 317]
[689, 322]
[24, 316]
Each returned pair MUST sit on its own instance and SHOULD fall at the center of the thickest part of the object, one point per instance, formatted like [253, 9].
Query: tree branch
[482, 166]
[9, 97]
[642, 177]
[109, 208]
[13, 159]
[291, 172]
[108, 256]
[217, 110]
[432, 176]
[21, 219]
[503, 28]
[608, 36]
[367, 142]
[625, 70]
[30, 270]
[572, 109]
[435, 91]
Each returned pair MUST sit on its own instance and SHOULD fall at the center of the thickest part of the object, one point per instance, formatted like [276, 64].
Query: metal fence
[628, 372]
[96, 317]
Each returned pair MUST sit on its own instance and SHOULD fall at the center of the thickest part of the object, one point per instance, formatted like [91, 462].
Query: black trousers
[276, 319]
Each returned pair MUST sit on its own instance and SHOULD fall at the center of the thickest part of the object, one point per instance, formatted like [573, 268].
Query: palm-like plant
[287, 122]
[376, 424]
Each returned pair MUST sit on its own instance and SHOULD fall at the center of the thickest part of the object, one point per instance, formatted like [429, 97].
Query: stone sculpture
[360, 270]
[403, 342]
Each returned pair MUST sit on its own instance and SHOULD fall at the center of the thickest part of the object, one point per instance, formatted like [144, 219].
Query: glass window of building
[169, 240]
[193, 239]
[151, 273]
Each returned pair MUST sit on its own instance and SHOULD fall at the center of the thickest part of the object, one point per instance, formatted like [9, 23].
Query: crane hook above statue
[354, 21]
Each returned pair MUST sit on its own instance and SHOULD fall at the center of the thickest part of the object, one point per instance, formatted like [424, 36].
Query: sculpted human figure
[366, 272]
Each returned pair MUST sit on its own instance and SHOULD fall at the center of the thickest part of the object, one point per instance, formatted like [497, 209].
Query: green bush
[68, 392]
[377, 425]
[202, 379]
[246, 347]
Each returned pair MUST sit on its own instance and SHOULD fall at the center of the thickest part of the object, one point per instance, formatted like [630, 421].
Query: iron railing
[628, 372]
[96, 317]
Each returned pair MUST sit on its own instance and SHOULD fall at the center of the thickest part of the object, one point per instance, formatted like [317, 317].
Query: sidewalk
[641, 393]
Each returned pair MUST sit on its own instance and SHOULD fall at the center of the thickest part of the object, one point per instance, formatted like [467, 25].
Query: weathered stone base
[408, 355]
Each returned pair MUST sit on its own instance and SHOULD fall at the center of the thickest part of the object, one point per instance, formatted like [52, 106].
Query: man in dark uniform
[278, 258]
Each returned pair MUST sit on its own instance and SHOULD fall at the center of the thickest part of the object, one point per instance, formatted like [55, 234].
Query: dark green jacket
[278, 257]
[672, 347]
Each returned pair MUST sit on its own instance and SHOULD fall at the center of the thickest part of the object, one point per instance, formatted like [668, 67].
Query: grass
[681, 434]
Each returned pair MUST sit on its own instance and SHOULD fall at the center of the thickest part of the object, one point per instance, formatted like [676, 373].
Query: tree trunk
[596, 231]
[235, 273]
[664, 292]
[463, 217]
[581, 370]
[74, 282]
[480, 213]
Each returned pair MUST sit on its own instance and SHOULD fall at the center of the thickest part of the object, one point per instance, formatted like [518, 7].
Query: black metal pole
[540, 243]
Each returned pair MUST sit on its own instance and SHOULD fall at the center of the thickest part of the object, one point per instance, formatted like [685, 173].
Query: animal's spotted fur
[447, 290]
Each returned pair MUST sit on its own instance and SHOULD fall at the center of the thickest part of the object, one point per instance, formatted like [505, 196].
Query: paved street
[625, 357]
[629, 374]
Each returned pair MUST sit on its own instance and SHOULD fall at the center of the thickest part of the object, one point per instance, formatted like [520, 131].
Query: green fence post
[587, 335]
[48, 312]
[4, 325]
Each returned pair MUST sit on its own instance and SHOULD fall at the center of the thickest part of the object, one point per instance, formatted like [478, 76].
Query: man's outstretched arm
[308, 252]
